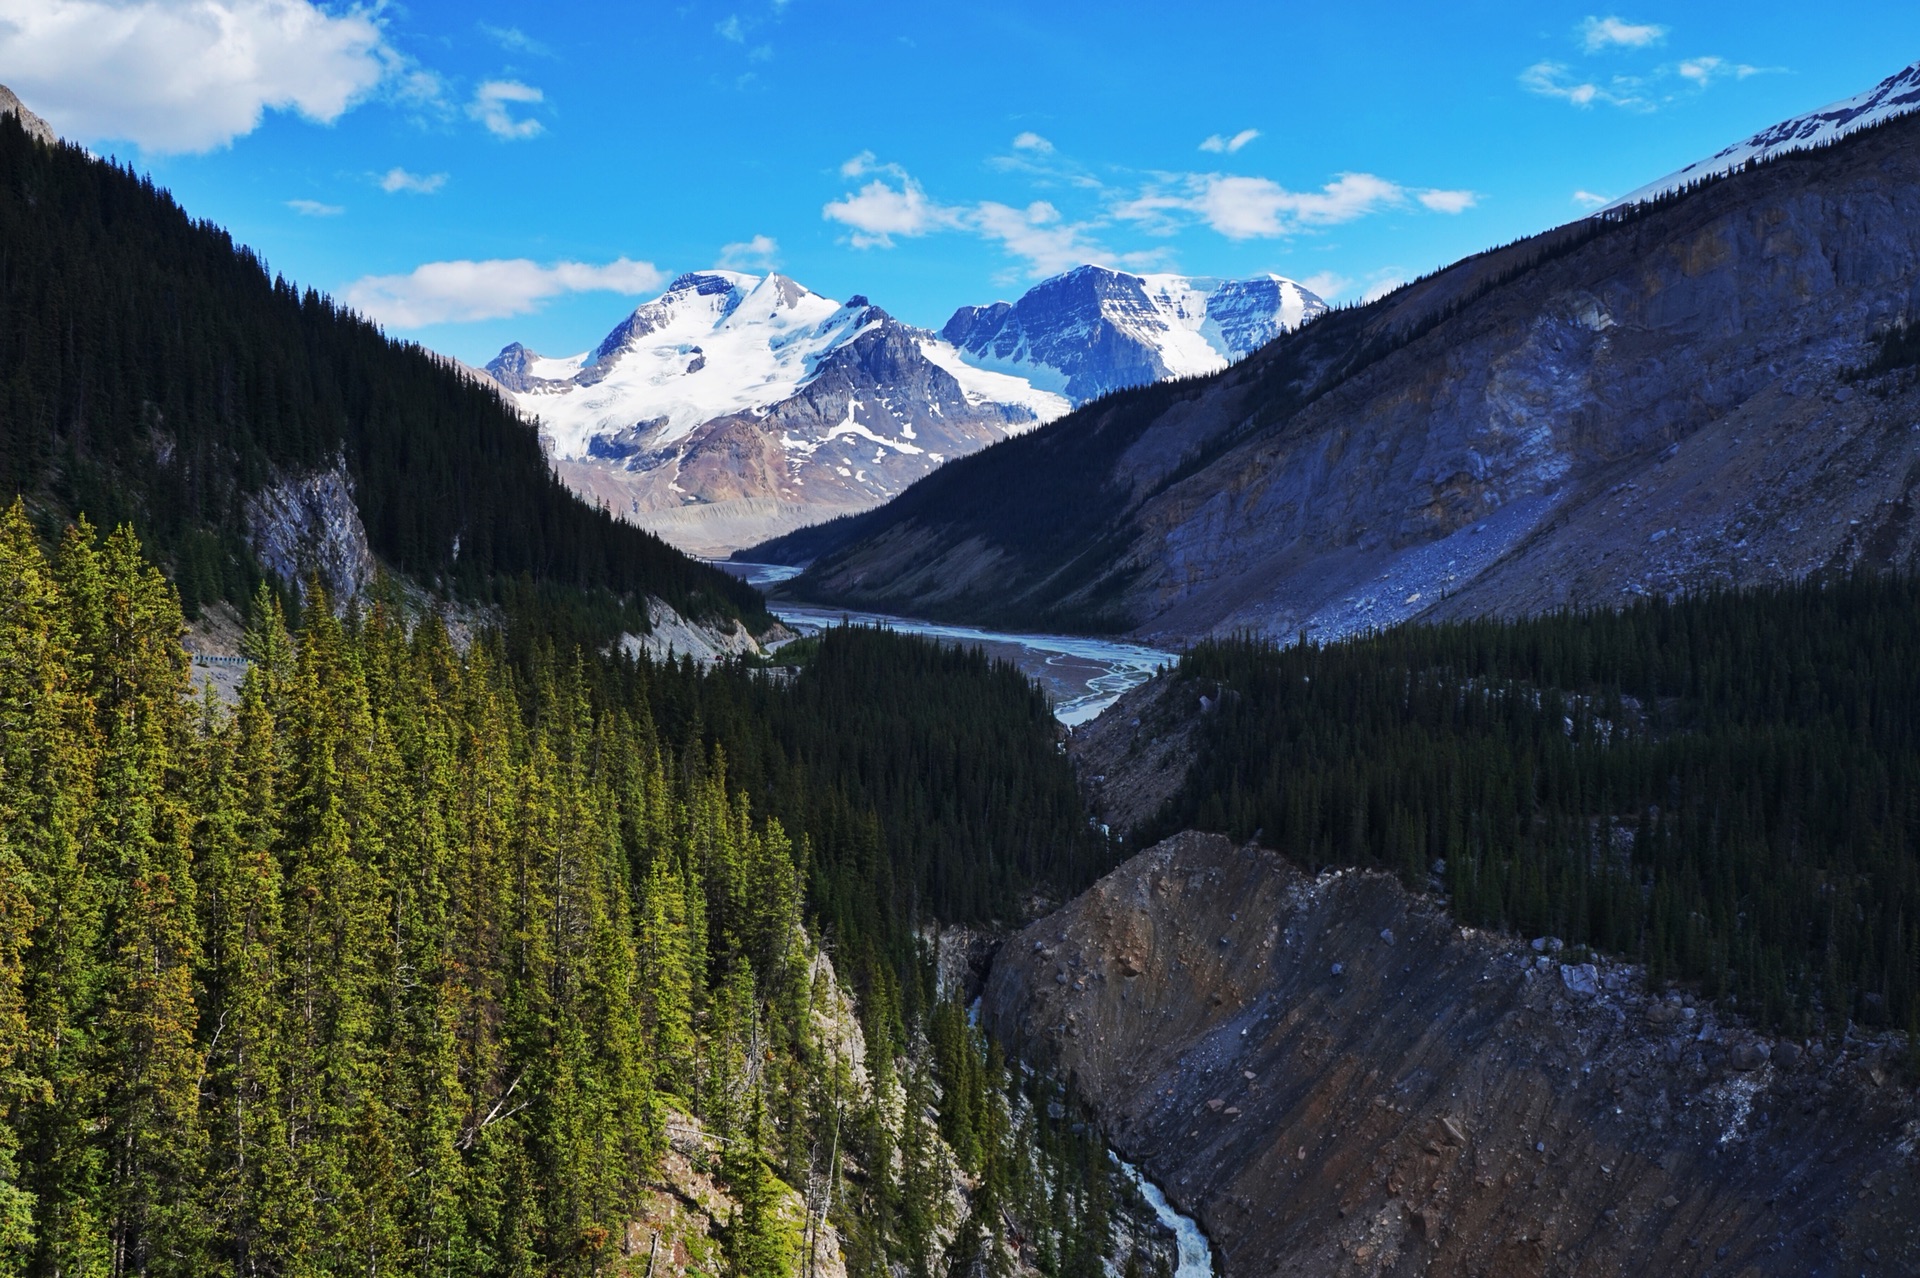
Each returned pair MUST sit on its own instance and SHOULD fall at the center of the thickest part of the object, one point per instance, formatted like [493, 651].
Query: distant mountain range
[1092, 330]
[735, 407]
[1715, 385]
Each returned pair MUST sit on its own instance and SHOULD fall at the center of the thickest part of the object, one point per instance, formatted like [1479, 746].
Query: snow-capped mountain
[734, 407]
[1895, 95]
[1093, 330]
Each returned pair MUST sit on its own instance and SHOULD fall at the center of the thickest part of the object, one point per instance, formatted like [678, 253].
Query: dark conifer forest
[413, 959]
[405, 962]
[1726, 787]
[153, 372]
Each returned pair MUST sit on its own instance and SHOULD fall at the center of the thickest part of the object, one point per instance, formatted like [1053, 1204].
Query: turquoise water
[1080, 676]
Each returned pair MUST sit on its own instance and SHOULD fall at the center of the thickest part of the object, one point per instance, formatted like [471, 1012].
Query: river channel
[1080, 676]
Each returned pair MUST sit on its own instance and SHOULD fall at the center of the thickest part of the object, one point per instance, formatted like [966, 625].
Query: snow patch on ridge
[1896, 95]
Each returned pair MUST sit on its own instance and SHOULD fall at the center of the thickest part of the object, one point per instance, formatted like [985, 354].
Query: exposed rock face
[1639, 408]
[307, 526]
[673, 636]
[737, 407]
[1336, 1079]
[1094, 330]
[33, 124]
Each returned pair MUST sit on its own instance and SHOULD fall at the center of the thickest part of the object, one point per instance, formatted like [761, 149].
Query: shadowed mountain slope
[1658, 399]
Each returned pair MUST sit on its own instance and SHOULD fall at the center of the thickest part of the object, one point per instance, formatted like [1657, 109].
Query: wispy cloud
[1590, 199]
[1448, 201]
[1647, 88]
[761, 253]
[514, 40]
[1244, 208]
[1031, 141]
[491, 103]
[731, 28]
[1661, 86]
[179, 77]
[1229, 146]
[1558, 80]
[1613, 33]
[314, 208]
[1709, 70]
[892, 205]
[895, 205]
[463, 291]
[1036, 234]
[397, 180]
[1327, 284]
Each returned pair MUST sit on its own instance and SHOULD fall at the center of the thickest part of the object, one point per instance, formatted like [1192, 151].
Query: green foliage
[398, 964]
[1726, 787]
[152, 372]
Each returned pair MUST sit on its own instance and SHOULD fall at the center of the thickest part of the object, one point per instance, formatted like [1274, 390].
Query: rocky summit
[736, 407]
[1095, 330]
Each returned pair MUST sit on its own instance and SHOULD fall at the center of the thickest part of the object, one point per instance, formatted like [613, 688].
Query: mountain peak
[10, 104]
[1896, 95]
[1095, 329]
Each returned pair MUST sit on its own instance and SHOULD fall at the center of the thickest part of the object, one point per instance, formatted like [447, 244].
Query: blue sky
[474, 174]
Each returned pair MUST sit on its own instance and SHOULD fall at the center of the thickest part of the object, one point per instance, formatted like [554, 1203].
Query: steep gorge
[1335, 1078]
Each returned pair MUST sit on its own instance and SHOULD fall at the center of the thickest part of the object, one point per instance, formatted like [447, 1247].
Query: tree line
[1726, 786]
[153, 372]
[402, 962]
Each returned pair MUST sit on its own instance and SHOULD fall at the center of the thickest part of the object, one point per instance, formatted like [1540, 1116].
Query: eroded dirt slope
[1335, 1078]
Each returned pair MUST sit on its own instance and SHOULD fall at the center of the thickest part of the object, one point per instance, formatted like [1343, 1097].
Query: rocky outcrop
[1661, 402]
[1094, 330]
[671, 637]
[33, 124]
[735, 407]
[1337, 1079]
[308, 526]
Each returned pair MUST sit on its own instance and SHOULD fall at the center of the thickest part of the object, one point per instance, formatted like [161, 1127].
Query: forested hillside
[404, 963]
[1726, 787]
[154, 372]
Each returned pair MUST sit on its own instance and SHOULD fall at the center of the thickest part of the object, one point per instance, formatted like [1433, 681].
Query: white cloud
[1557, 80]
[180, 77]
[396, 180]
[1031, 141]
[490, 103]
[879, 211]
[1228, 146]
[759, 253]
[1606, 33]
[1245, 208]
[1707, 70]
[1037, 234]
[731, 29]
[1327, 285]
[457, 292]
[1589, 200]
[896, 205]
[314, 208]
[1448, 201]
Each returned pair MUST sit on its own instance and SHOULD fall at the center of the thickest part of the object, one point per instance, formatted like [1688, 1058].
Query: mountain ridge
[1636, 403]
[736, 406]
[156, 374]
